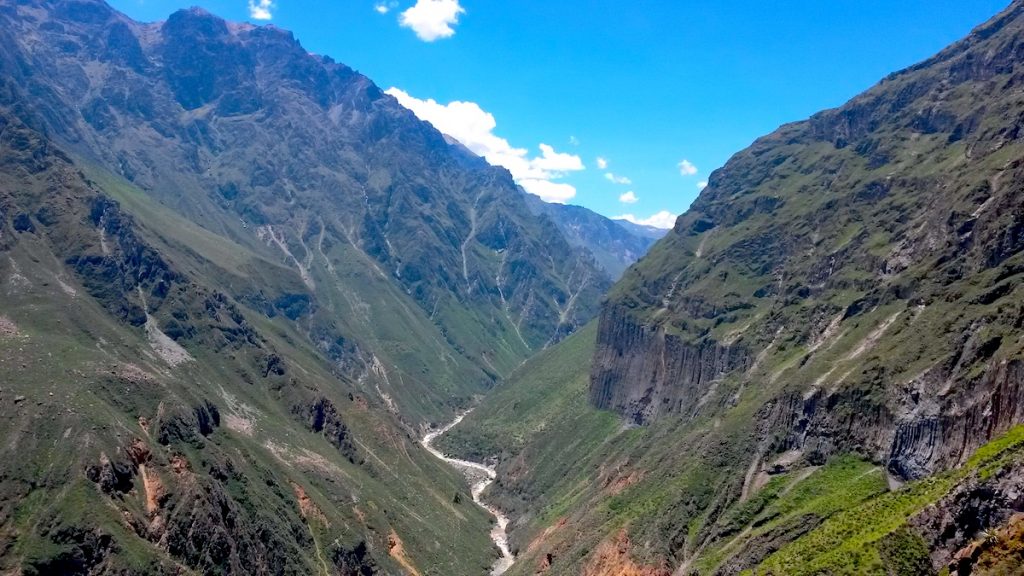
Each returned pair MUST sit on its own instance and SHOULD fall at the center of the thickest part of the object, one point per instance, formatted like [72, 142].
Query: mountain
[239, 281]
[817, 371]
[615, 244]
[152, 424]
[301, 159]
[642, 229]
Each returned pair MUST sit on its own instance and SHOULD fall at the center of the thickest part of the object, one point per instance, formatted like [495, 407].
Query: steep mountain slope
[416, 249]
[153, 424]
[238, 280]
[838, 314]
[615, 244]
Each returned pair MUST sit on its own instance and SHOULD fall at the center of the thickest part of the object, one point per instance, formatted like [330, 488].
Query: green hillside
[818, 367]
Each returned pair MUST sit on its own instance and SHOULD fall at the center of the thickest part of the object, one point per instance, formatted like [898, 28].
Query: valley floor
[480, 477]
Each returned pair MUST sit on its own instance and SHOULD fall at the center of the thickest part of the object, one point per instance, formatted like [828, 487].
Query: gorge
[480, 477]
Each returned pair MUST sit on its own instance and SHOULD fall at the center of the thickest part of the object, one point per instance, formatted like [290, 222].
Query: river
[480, 477]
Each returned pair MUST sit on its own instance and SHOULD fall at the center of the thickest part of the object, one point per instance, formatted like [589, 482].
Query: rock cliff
[823, 356]
[858, 272]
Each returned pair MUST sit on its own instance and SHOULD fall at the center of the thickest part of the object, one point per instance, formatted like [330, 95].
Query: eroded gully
[480, 477]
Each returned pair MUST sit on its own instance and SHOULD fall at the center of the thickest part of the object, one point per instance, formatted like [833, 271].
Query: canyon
[257, 317]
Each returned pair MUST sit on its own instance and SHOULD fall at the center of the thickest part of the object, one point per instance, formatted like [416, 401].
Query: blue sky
[619, 93]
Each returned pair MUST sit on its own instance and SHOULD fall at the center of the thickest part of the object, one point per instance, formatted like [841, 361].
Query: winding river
[480, 477]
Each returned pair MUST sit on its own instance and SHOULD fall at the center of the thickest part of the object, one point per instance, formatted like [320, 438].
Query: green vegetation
[545, 393]
[841, 304]
[541, 415]
[791, 503]
[856, 539]
[244, 445]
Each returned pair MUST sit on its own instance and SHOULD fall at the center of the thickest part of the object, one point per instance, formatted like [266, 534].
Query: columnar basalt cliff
[864, 264]
[669, 376]
[918, 439]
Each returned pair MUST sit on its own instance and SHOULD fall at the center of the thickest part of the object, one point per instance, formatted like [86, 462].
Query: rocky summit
[256, 317]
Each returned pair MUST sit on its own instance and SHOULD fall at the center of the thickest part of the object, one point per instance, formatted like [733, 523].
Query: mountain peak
[195, 23]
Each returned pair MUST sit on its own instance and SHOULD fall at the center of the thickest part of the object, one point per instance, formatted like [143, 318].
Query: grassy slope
[539, 415]
[423, 374]
[540, 395]
[803, 229]
[850, 541]
[81, 385]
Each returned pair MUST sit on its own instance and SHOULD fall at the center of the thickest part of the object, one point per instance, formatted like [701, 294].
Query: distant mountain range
[615, 244]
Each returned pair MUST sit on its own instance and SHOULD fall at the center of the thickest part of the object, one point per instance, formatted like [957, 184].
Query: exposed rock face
[354, 562]
[644, 373]
[858, 273]
[964, 422]
[87, 549]
[977, 527]
[322, 417]
[614, 557]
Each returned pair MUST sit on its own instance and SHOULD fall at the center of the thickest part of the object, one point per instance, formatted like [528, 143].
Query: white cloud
[552, 161]
[686, 168]
[474, 128]
[702, 184]
[628, 198]
[432, 19]
[261, 9]
[602, 164]
[663, 220]
[617, 179]
[381, 8]
[556, 192]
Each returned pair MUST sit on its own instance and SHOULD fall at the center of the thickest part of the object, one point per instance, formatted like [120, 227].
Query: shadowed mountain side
[307, 163]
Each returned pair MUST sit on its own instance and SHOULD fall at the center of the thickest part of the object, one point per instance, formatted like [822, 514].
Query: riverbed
[480, 477]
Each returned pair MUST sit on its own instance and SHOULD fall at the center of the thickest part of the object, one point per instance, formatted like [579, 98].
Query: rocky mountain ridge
[242, 131]
[615, 244]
